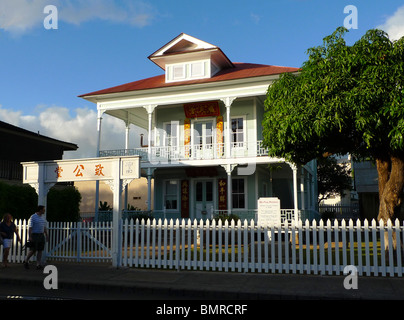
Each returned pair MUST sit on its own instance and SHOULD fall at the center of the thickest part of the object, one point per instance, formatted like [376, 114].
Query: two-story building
[204, 144]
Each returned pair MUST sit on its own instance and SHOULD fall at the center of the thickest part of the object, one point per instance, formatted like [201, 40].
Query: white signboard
[82, 170]
[269, 212]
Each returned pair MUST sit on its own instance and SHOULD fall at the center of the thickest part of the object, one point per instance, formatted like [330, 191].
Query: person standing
[7, 230]
[37, 234]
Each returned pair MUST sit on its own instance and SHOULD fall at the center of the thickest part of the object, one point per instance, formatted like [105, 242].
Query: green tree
[332, 178]
[63, 204]
[20, 201]
[345, 99]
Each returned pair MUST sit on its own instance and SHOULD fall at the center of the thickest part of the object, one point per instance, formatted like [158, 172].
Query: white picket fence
[68, 241]
[300, 248]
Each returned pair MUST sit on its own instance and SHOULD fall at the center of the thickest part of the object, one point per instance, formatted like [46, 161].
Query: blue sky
[103, 43]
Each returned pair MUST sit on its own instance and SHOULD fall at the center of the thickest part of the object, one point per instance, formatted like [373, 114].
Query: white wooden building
[204, 144]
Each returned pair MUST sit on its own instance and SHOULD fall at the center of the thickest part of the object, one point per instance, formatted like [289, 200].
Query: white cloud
[20, 16]
[135, 13]
[394, 25]
[79, 128]
[255, 18]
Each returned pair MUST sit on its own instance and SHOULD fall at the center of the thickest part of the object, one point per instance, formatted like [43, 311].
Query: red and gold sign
[219, 136]
[187, 136]
[202, 109]
[222, 187]
[184, 199]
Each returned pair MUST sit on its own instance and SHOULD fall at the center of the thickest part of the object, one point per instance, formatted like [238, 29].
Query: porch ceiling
[137, 116]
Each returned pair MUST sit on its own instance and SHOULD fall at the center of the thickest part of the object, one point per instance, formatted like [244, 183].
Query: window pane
[171, 130]
[171, 194]
[238, 194]
[171, 187]
[240, 123]
[241, 185]
[237, 127]
[241, 201]
[234, 186]
[179, 71]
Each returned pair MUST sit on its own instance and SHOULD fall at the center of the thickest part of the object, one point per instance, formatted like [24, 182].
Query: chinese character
[59, 171]
[98, 170]
[78, 169]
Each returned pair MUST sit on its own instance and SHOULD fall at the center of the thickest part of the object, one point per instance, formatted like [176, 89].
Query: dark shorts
[38, 240]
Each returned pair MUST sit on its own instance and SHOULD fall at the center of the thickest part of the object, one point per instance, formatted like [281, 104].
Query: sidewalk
[204, 285]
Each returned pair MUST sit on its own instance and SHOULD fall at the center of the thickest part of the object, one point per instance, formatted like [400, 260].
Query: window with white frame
[171, 133]
[171, 194]
[237, 132]
[188, 70]
[197, 69]
[178, 71]
[238, 193]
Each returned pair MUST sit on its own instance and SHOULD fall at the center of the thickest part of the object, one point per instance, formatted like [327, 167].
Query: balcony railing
[192, 152]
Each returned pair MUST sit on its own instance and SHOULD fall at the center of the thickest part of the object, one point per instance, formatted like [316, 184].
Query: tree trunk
[391, 183]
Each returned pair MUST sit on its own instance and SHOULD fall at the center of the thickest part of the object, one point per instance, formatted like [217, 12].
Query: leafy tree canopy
[333, 178]
[345, 99]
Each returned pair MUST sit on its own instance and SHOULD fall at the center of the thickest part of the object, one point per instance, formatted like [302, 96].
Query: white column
[116, 217]
[228, 101]
[41, 187]
[97, 183]
[229, 168]
[295, 200]
[99, 121]
[126, 153]
[127, 129]
[150, 109]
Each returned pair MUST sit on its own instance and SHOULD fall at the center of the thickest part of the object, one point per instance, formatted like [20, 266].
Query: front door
[203, 139]
[203, 198]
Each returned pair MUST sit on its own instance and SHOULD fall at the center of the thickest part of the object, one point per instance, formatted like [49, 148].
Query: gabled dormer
[187, 58]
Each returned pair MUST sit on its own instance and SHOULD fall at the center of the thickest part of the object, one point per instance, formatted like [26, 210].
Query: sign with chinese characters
[269, 212]
[202, 109]
[222, 188]
[82, 170]
[184, 199]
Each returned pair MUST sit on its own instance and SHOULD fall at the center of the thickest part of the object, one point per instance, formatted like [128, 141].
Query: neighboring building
[366, 183]
[367, 186]
[204, 144]
[135, 197]
[350, 197]
[20, 145]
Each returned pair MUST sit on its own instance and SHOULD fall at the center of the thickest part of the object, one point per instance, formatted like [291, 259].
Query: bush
[20, 201]
[226, 217]
[63, 205]
[328, 215]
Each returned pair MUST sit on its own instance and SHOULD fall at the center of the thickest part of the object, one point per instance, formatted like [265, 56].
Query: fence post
[78, 241]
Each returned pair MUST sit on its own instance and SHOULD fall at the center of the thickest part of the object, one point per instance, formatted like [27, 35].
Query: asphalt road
[34, 292]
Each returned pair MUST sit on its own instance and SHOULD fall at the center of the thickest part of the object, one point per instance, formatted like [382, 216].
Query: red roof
[240, 71]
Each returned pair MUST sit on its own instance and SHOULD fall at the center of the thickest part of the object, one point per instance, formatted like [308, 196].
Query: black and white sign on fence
[269, 212]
